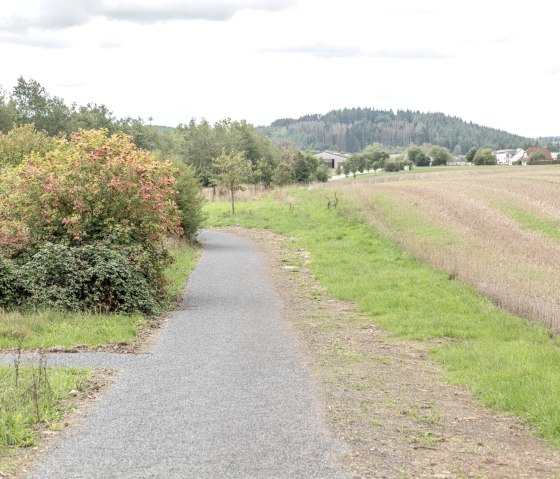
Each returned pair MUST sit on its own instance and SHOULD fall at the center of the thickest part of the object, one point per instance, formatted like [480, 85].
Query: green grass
[37, 397]
[403, 219]
[185, 257]
[50, 328]
[548, 228]
[509, 362]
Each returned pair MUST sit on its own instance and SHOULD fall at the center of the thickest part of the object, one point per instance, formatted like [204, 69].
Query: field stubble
[498, 231]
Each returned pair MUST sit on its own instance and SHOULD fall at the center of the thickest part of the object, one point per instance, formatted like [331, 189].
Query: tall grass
[30, 395]
[509, 362]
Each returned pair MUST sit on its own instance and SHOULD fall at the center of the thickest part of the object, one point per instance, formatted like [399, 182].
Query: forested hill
[352, 129]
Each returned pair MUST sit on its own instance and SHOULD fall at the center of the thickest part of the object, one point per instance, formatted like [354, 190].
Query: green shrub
[392, 165]
[90, 277]
[485, 156]
[20, 142]
[189, 200]
[9, 290]
[322, 174]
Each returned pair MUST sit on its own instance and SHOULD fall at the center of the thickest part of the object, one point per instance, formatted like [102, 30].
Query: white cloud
[334, 51]
[259, 60]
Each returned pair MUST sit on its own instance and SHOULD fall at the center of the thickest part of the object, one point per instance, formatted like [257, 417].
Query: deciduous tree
[232, 171]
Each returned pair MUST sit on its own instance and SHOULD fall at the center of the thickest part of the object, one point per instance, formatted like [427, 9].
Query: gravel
[225, 393]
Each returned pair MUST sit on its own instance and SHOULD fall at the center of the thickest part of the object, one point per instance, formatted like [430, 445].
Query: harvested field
[497, 229]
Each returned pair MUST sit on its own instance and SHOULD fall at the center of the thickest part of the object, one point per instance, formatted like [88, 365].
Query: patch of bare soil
[20, 461]
[387, 400]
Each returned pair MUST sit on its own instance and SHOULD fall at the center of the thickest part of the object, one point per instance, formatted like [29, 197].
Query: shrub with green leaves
[9, 290]
[189, 200]
[88, 277]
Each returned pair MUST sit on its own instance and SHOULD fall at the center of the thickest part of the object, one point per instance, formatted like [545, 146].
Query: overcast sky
[493, 63]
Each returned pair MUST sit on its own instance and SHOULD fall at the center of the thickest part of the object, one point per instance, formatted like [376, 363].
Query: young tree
[440, 155]
[232, 171]
[471, 154]
[485, 156]
[322, 174]
[283, 174]
[415, 155]
[305, 166]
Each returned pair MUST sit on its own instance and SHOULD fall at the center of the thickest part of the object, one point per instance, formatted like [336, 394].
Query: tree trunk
[232, 203]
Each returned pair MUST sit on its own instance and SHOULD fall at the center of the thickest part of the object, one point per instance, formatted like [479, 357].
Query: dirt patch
[386, 399]
[20, 461]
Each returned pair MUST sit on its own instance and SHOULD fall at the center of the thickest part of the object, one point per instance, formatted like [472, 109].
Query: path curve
[225, 394]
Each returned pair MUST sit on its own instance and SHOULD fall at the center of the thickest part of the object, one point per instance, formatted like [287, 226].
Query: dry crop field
[497, 229]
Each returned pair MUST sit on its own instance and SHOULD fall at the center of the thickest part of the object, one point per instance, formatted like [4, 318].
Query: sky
[489, 62]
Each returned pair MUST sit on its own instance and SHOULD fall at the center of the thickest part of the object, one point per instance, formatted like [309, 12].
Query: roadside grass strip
[32, 395]
[32, 329]
[509, 362]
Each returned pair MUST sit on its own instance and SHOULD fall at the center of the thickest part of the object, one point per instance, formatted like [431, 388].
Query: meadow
[497, 229]
[446, 260]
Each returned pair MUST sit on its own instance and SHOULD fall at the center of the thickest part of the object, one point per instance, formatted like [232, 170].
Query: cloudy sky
[489, 62]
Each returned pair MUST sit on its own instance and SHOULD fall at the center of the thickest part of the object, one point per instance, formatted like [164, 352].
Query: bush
[283, 174]
[485, 156]
[89, 277]
[189, 200]
[91, 188]
[20, 142]
[9, 284]
[393, 165]
[422, 160]
[440, 155]
[322, 174]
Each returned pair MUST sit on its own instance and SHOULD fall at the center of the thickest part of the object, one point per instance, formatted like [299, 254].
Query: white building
[509, 156]
[332, 158]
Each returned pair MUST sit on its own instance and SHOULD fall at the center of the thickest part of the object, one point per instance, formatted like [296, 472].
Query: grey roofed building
[332, 158]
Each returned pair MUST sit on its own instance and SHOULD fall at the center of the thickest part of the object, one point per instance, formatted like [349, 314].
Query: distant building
[503, 156]
[509, 156]
[536, 149]
[332, 158]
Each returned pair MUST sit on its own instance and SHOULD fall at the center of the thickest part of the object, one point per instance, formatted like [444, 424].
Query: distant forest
[352, 129]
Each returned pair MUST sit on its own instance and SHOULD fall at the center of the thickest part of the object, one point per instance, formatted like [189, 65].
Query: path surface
[225, 393]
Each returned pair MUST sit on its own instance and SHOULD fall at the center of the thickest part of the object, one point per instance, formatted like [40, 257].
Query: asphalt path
[225, 393]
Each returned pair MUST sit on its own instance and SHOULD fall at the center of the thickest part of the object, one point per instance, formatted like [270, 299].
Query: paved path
[225, 393]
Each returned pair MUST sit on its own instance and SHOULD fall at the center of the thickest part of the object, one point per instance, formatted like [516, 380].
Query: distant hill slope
[354, 128]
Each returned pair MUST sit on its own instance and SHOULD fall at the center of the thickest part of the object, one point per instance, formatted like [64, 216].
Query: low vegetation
[495, 229]
[48, 328]
[508, 361]
[32, 395]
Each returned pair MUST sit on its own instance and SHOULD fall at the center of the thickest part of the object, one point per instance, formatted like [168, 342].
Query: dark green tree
[283, 174]
[471, 154]
[305, 166]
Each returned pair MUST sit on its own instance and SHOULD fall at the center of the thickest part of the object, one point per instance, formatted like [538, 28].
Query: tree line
[352, 129]
[31, 118]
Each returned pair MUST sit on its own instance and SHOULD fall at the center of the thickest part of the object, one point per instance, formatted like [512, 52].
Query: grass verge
[50, 328]
[30, 396]
[509, 362]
